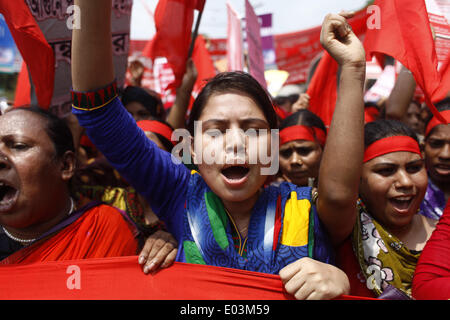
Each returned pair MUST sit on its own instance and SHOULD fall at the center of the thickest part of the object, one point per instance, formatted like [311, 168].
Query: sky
[287, 15]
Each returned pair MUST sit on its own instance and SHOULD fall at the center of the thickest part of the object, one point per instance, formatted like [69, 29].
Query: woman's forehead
[398, 157]
[231, 105]
[20, 120]
[298, 144]
[441, 131]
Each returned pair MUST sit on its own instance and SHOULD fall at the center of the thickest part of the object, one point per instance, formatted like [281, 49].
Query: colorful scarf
[433, 203]
[284, 227]
[384, 260]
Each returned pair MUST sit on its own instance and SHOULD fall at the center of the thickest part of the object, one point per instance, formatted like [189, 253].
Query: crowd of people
[357, 208]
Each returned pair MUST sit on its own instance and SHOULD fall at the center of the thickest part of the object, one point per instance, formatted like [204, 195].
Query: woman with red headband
[437, 159]
[302, 139]
[99, 181]
[388, 234]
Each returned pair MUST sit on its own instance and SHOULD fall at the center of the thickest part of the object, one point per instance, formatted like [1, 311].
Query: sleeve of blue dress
[146, 167]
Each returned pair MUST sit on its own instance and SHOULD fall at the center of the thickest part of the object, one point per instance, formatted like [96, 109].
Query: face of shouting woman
[392, 187]
[33, 182]
[230, 170]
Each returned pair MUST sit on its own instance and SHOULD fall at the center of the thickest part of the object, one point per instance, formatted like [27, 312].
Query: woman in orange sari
[38, 218]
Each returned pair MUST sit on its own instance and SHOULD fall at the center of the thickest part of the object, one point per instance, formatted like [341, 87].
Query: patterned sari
[385, 261]
[284, 227]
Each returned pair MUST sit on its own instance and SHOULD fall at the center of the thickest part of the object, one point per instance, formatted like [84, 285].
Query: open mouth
[442, 169]
[235, 172]
[8, 196]
[402, 204]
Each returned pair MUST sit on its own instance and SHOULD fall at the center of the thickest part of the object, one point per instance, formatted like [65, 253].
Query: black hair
[442, 105]
[151, 103]
[382, 128]
[56, 128]
[303, 117]
[239, 82]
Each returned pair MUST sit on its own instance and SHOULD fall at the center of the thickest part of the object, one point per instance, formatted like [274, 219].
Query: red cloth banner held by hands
[122, 278]
[404, 33]
[173, 22]
[33, 46]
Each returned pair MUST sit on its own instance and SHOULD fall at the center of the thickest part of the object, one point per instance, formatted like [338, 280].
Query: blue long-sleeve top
[174, 194]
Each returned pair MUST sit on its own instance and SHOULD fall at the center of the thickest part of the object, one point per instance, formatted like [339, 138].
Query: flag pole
[194, 34]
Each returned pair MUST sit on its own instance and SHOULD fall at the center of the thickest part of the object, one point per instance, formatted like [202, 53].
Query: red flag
[203, 63]
[405, 34]
[322, 89]
[23, 88]
[33, 46]
[444, 89]
[173, 22]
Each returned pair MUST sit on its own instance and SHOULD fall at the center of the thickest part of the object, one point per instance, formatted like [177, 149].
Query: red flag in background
[23, 88]
[33, 46]
[404, 33]
[444, 89]
[173, 22]
[203, 63]
[322, 89]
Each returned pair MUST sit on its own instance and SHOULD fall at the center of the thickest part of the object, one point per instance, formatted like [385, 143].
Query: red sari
[432, 276]
[95, 231]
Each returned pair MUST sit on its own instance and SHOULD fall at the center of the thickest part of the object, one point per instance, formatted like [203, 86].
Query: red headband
[156, 127]
[302, 133]
[391, 144]
[435, 121]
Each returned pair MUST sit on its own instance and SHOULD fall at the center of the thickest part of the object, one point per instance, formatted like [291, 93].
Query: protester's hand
[309, 279]
[338, 38]
[136, 69]
[190, 76]
[160, 251]
[301, 103]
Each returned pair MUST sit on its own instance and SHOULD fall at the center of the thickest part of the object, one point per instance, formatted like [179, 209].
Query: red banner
[296, 50]
[122, 278]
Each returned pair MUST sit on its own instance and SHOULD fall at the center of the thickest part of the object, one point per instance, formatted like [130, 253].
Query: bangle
[93, 100]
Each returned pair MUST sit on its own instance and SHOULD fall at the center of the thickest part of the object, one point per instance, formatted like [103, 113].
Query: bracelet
[93, 100]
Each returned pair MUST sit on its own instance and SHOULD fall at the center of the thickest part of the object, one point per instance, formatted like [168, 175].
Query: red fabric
[121, 278]
[347, 262]
[432, 277]
[322, 89]
[198, 4]
[391, 144]
[33, 46]
[281, 113]
[405, 34]
[156, 127]
[371, 114]
[23, 88]
[100, 232]
[173, 23]
[302, 133]
[203, 63]
[435, 122]
[295, 51]
[444, 89]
